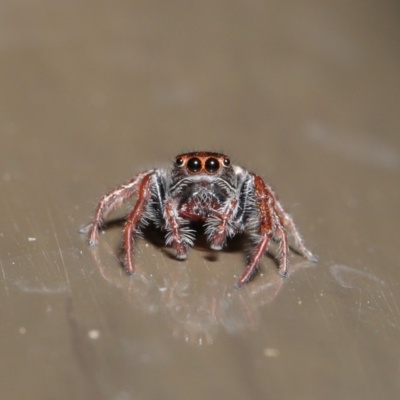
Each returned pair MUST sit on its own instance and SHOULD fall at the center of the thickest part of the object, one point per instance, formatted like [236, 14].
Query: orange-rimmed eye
[212, 165]
[194, 165]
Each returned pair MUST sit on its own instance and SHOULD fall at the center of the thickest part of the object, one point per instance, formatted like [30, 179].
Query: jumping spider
[203, 187]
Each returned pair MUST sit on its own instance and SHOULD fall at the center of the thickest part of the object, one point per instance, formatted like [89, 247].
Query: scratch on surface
[389, 307]
[383, 299]
[395, 303]
[4, 277]
[359, 310]
[23, 273]
[339, 272]
[318, 302]
[41, 288]
[206, 264]
[59, 247]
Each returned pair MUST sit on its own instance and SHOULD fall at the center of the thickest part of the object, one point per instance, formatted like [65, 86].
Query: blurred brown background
[305, 94]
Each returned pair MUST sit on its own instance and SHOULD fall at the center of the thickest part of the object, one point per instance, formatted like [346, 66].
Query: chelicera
[203, 187]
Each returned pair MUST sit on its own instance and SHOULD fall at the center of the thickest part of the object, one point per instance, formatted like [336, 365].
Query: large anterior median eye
[194, 164]
[212, 165]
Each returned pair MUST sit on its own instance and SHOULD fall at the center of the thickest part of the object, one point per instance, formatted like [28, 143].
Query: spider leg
[133, 220]
[109, 202]
[179, 236]
[263, 202]
[218, 227]
[289, 224]
[281, 235]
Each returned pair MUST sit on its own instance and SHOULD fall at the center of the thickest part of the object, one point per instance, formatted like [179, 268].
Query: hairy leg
[281, 235]
[180, 237]
[134, 218]
[289, 224]
[109, 202]
[262, 198]
[217, 227]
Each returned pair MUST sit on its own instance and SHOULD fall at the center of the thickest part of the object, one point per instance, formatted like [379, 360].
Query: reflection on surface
[196, 307]
[348, 277]
[39, 272]
[370, 299]
[40, 288]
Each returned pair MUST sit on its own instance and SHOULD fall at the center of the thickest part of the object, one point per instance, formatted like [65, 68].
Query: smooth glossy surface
[305, 95]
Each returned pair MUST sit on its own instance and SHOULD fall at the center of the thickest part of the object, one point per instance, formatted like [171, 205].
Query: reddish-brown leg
[144, 193]
[261, 248]
[218, 237]
[262, 197]
[281, 235]
[289, 224]
[175, 237]
[109, 202]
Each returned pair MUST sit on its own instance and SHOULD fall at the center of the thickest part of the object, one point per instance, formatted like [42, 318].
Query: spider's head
[203, 166]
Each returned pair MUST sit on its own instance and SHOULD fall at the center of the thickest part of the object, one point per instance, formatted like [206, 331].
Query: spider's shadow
[155, 236]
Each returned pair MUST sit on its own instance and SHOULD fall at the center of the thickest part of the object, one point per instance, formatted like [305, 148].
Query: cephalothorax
[204, 187]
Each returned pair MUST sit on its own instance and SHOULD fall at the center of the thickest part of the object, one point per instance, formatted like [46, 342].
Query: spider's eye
[227, 162]
[194, 164]
[212, 165]
[179, 162]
